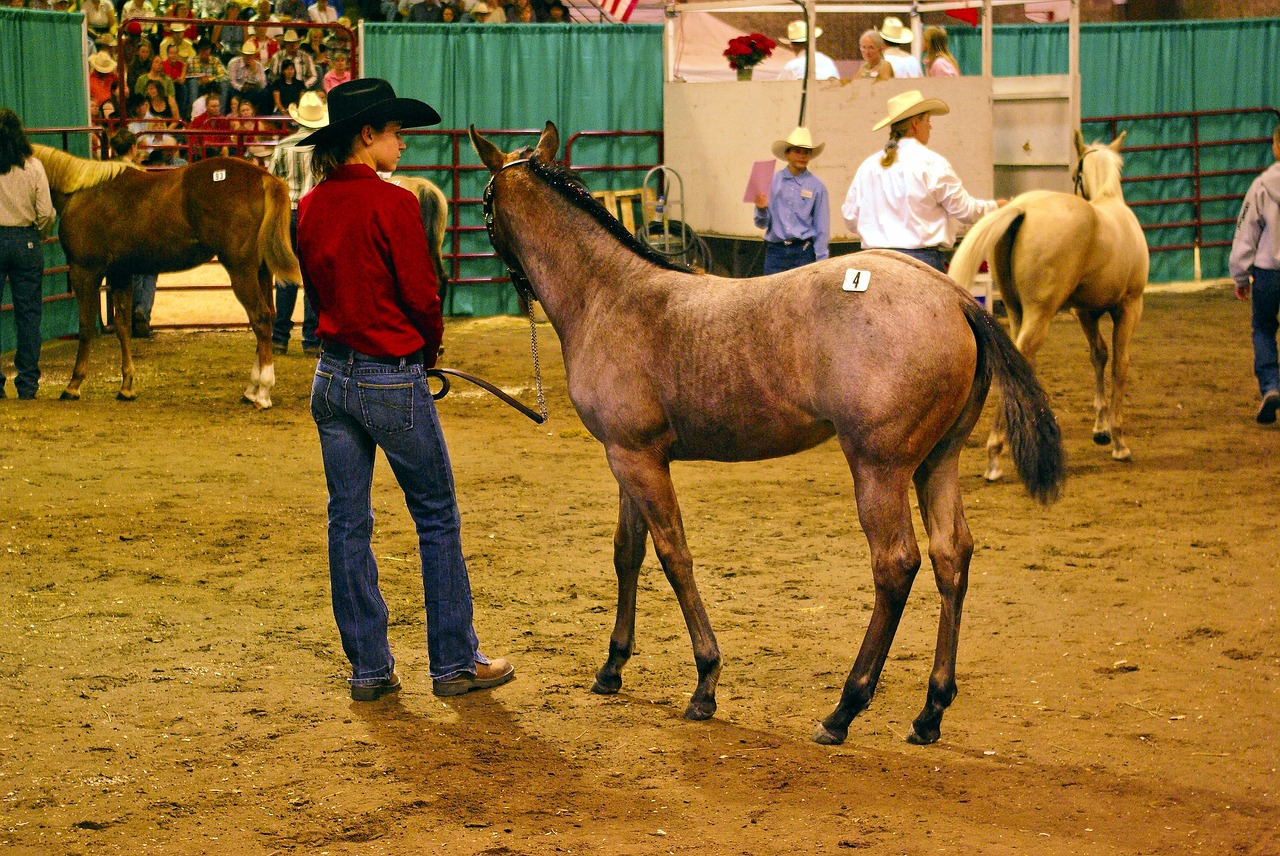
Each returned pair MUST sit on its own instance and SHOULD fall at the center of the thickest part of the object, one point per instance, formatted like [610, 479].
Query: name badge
[806, 194]
[856, 280]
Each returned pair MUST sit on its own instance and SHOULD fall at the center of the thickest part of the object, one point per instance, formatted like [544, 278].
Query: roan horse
[663, 364]
[1049, 250]
[117, 221]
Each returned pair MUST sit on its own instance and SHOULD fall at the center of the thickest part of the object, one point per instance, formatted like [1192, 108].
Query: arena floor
[173, 682]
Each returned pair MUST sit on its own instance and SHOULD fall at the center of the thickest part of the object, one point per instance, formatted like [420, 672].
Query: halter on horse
[666, 365]
[1083, 252]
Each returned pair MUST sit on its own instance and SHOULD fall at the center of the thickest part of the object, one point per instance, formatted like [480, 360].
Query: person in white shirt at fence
[798, 38]
[908, 198]
[896, 36]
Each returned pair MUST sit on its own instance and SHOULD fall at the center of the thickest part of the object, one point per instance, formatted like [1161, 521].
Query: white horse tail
[981, 240]
[273, 235]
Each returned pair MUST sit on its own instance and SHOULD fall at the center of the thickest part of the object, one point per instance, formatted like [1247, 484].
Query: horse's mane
[68, 173]
[572, 189]
[1102, 171]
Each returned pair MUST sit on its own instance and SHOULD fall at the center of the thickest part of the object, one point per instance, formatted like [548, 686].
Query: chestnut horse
[116, 221]
[663, 364]
[1049, 250]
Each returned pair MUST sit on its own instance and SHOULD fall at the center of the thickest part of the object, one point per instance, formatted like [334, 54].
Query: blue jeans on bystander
[779, 256]
[1266, 309]
[22, 262]
[287, 299]
[361, 404]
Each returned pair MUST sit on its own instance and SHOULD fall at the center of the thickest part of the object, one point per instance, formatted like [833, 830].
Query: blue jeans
[779, 257]
[287, 299]
[361, 406]
[22, 262]
[1266, 308]
[144, 295]
[935, 259]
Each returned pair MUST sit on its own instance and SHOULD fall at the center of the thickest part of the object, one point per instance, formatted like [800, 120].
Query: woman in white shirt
[908, 198]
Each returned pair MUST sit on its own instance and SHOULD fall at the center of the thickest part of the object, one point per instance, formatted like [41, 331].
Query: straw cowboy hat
[310, 111]
[177, 28]
[800, 138]
[894, 32]
[291, 36]
[798, 33]
[369, 101]
[102, 62]
[909, 104]
[481, 8]
[250, 47]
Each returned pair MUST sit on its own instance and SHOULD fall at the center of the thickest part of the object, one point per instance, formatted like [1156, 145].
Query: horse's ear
[1079, 140]
[548, 143]
[488, 152]
[1118, 143]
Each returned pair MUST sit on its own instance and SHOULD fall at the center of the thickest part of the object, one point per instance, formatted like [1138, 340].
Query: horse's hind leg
[1098, 355]
[950, 550]
[1125, 319]
[628, 554]
[85, 284]
[255, 289]
[885, 514]
[646, 478]
[122, 302]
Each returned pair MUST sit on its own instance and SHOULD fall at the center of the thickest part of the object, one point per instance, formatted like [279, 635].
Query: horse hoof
[68, 395]
[122, 396]
[258, 405]
[700, 711]
[827, 737]
[1121, 455]
[1102, 438]
[993, 474]
[247, 400]
[606, 687]
[916, 738]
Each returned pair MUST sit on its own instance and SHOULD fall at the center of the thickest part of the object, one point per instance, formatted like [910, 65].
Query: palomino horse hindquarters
[1053, 250]
[116, 221]
[665, 365]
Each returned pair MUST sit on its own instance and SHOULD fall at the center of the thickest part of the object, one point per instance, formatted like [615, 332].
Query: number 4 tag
[856, 280]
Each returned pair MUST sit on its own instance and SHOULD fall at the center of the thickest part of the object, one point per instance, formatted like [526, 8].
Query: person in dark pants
[368, 272]
[1255, 267]
[796, 213]
[26, 215]
[291, 163]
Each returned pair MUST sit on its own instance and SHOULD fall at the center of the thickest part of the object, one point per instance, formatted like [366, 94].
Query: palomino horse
[1049, 250]
[435, 217]
[663, 364]
[116, 221]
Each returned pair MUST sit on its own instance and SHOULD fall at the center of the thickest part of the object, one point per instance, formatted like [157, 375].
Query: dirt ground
[172, 680]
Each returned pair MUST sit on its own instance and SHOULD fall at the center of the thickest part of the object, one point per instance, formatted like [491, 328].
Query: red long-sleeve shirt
[366, 266]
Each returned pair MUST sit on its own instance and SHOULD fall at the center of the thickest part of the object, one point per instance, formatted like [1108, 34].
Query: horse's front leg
[122, 304]
[1124, 320]
[885, 513]
[950, 550]
[86, 285]
[1098, 356]
[645, 476]
[628, 554]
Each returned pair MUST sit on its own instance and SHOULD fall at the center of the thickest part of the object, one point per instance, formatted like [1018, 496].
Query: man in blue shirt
[795, 214]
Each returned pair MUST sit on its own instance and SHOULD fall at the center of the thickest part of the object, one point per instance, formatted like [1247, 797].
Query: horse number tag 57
[219, 175]
[856, 280]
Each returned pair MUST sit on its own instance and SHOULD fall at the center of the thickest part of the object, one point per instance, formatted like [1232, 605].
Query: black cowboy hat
[370, 101]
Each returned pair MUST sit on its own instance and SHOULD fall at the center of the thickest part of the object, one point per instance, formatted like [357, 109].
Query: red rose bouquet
[747, 51]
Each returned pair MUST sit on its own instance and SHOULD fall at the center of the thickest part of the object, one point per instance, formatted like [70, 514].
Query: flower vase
[745, 73]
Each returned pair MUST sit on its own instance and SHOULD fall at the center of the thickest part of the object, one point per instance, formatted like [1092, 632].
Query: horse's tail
[273, 234]
[1034, 438]
[435, 217]
[980, 240]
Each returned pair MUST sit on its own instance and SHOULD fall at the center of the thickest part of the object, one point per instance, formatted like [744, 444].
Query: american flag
[619, 10]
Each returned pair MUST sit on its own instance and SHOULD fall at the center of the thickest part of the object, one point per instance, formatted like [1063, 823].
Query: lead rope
[537, 368]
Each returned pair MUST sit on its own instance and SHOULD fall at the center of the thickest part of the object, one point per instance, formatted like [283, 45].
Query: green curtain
[1182, 71]
[512, 76]
[36, 50]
